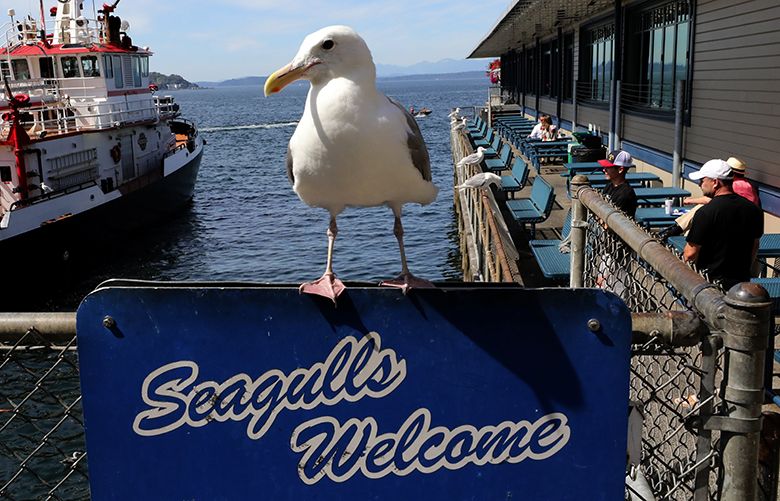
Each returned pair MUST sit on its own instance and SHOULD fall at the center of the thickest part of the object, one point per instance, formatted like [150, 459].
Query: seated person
[544, 130]
[617, 191]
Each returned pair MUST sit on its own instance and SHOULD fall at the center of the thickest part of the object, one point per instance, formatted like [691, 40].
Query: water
[246, 223]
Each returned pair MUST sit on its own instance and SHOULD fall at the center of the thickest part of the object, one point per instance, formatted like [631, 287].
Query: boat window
[136, 71]
[89, 66]
[118, 80]
[70, 67]
[144, 66]
[5, 70]
[20, 69]
[5, 173]
[46, 65]
[108, 67]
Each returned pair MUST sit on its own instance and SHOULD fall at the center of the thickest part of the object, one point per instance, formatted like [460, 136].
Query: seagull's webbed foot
[327, 286]
[406, 281]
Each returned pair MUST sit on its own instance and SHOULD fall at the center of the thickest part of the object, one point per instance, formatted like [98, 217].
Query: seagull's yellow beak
[284, 76]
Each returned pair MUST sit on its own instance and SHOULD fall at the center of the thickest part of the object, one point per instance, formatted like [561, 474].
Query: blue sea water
[246, 223]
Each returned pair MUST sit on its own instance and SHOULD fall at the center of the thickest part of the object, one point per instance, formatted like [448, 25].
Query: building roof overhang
[526, 20]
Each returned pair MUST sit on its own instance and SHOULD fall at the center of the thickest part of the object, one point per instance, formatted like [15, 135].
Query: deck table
[656, 217]
[656, 196]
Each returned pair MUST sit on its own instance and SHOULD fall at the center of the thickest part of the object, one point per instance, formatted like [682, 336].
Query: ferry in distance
[86, 145]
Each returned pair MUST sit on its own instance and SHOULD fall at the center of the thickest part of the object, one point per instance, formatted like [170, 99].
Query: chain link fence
[697, 396]
[666, 381]
[42, 448]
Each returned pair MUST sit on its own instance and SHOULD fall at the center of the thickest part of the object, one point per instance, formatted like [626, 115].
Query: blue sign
[261, 393]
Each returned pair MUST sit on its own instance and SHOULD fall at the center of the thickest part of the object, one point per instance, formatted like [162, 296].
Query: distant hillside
[429, 68]
[170, 81]
[259, 81]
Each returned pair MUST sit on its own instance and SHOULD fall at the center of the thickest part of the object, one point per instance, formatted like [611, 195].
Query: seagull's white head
[335, 51]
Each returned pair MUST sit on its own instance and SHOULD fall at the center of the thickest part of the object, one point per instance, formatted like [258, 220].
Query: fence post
[746, 329]
[579, 223]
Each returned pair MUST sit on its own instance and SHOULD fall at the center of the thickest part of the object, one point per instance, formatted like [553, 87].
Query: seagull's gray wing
[416, 143]
[290, 165]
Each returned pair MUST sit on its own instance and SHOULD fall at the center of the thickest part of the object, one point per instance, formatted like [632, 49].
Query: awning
[525, 20]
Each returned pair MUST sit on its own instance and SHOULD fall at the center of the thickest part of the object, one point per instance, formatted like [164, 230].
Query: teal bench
[484, 141]
[502, 163]
[515, 181]
[533, 210]
[494, 149]
[552, 262]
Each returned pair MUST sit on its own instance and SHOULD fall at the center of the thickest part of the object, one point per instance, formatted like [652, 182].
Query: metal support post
[579, 223]
[746, 330]
[616, 130]
[679, 89]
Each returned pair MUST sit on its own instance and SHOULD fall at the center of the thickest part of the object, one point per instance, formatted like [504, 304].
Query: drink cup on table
[668, 206]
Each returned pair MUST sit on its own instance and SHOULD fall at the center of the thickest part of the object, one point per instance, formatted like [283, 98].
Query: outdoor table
[655, 196]
[656, 217]
[633, 178]
[768, 244]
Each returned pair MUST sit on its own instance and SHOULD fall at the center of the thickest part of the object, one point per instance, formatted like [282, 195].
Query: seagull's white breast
[350, 149]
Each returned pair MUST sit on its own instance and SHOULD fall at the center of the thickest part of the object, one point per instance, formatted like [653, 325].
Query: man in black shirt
[618, 191]
[724, 234]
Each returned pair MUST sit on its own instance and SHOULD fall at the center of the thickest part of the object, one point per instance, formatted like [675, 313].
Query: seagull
[353, 146]
[454, 113]
[481, 180]
[474, 158]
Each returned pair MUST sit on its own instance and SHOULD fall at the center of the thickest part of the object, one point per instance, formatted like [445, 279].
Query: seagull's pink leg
[328, 285]
[405, 280]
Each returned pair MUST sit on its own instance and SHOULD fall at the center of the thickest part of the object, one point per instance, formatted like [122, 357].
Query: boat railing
[26, 31]
[71, 115]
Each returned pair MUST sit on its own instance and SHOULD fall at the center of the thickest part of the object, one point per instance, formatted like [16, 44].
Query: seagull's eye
[328, 44]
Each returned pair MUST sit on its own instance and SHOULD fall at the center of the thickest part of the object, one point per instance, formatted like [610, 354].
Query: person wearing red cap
[724, 234]
[618, 191]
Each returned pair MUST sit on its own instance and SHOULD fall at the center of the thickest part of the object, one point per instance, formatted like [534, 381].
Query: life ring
[116, 154]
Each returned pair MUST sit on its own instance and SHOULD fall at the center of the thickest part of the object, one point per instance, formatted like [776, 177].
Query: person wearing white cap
[724, 234]
[740, 186]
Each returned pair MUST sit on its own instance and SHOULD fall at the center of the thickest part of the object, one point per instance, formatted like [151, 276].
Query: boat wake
[252, 126]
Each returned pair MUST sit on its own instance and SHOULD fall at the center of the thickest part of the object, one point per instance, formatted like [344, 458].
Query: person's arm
[691, 252]
[755, 250]
[696, 200]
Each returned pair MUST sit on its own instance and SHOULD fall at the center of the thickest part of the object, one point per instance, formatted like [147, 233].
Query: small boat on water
[86, 145]
[423, 112]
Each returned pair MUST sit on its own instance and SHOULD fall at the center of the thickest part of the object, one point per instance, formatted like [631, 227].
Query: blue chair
[553, 263]
[514, 182]
[535, 209]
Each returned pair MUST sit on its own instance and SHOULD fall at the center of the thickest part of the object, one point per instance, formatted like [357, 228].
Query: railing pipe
[704, 296]
[579, 224]
[675, 328]
[746, 331]
[52, 327]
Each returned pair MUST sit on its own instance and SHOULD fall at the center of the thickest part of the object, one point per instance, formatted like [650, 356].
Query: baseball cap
[617, 158]
[713, 169]
[736, 165]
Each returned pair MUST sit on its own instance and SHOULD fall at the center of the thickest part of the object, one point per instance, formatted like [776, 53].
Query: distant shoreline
[254, 81]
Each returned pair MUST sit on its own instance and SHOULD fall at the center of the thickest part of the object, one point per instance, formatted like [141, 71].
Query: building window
[144, 66]
[89, 66]
[568, 66]
[531, 69]
[597, 57]
[658, 39]
[70, 67]
[546, 69]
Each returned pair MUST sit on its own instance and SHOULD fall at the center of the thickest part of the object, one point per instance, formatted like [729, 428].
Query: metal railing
[486, 246]
[42, 448]
[700, 392]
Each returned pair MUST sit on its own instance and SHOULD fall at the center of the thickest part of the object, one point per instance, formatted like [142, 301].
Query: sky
[216, 40]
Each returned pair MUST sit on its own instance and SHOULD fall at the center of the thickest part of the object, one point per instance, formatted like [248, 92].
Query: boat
[424, 112]
[86, 143]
